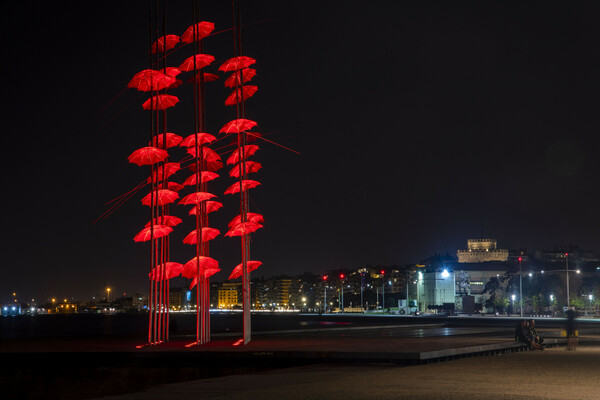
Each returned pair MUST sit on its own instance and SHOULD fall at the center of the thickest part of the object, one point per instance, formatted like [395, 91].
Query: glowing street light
[108, 294]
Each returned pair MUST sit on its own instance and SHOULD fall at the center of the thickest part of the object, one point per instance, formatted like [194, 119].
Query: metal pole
[382, 293]
[521, 286]
[567, 264]
[325, 299]
[362, 308]
[342, 305]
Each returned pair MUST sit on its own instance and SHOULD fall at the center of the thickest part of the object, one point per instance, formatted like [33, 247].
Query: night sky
[420, 124]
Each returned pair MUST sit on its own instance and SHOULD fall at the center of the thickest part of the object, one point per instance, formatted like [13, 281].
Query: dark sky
[420, 125]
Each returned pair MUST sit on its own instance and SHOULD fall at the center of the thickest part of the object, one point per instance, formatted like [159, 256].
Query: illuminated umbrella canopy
[172, 71]
[190, 268]
[209, 166]
[176, 187]
[147, 156]
[251, 217]
[176, 84]
[202, 60]
[251, 166]
[161, 197]
[238, 125]
[211, 206]
[150, 80]
[171, 140]
[160, 102]
[235, 63]
[165, 171]
[164, 43]
[234, 80]
[166, 220]
[158, 230]
[241, 94]
[207, 234]
[207, 274]
[205, 176]
[208, 77]
[243, 229]
[197, 32]
[237, 271]
[248, 150]
[196, 198]
[164, 271]
[247, 184]
[207, 153]
[203, 138]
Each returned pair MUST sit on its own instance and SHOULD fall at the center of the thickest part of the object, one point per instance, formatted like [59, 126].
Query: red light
[519, 259]
[341, 276]
[566, 254]
[324, 277]
[382, 272]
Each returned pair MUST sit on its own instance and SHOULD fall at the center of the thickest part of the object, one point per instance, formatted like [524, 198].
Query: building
[481, 250]
[230, 294]
[435, 288]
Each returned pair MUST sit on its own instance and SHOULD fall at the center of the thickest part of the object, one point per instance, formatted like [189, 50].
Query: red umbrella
[176, 84]
[207, 234]
[207, 153]
[206, 176]
[150, 80]
[237, 271]
[196, 198]
[164, 171]
[159, 231]
[197, 32]
[211, 206]
[208, 77]
[170, 269]
[160, 102]
[161, 197]
[246, 185]
[248, 151]
[170, 40]
[172, 71]
[166, 220]
[235, 63]
[190, 268]
[251, 166]
[240, 94]
[176, 187]
[203, 138]
[147, 156]
[251, 217]
[159, 140]
[243, 229]
[202, 60]
[234, 79]
[238, 125]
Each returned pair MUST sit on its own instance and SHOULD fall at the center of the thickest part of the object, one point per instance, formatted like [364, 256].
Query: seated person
[522, 335]
[533, 333]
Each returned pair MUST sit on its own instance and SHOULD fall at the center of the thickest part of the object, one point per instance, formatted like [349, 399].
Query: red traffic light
[520, 259]
[566, 254]
[324, 277]
[382, 272]
[342, 276]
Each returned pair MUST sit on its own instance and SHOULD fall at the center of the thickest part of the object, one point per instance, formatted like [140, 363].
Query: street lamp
[590, 298]
[342, 276]
[382, 290]
[567, 265]
[513, 297]
[325, 294]
[521, 285]
[108, 294]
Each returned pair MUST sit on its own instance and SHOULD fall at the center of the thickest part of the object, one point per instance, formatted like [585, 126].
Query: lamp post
[362, 308]
[342, 303]
[513, 301]
[521, 285]
[382, 292]
[590, 298]
[325, 294]
[567, 265]
[108, 294]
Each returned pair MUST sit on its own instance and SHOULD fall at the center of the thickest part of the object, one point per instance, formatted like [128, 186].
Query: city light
[445, 273]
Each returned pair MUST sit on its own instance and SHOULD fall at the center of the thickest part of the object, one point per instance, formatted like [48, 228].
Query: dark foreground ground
[318, 352]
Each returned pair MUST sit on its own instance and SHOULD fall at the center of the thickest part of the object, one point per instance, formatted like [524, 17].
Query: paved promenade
[551, 374]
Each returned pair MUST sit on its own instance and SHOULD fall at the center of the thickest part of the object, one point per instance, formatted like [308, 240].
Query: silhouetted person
[571, 331]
